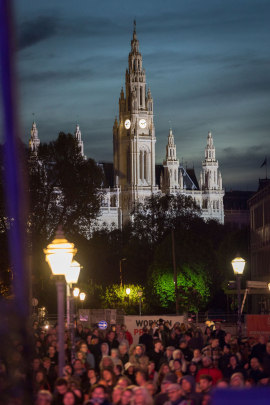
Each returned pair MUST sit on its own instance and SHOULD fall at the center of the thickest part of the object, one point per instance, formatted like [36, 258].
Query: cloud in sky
[207, 64]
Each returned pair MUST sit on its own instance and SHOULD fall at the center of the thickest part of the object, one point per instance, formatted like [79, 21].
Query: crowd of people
[169, 366]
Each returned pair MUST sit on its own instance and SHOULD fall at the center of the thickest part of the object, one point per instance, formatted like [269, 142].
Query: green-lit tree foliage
[196, 265]
[115, 296]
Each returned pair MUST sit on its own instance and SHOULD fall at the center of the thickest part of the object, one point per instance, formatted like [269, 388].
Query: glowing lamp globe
[269, 286]
[238, 265]
[76, 292]
[127, 291]
[82, 296]
[73, 272]
[59, 253]
[139, 292]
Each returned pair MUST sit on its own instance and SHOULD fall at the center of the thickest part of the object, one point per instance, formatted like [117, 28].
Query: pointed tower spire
[34, 142]
[171, 164]
[210, 165]
[78, 136]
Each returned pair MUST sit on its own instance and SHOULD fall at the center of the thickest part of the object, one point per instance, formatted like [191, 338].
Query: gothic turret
[78, 136]
[34, 142]
[171, 165]
[210, 166]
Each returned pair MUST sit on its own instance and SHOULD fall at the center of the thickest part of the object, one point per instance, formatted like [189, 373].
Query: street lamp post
[59, 255]
[128, 292]
[120, 268]
[139, 292]
[82, 297]
[71, 278]
[76, 293]
[238, 265]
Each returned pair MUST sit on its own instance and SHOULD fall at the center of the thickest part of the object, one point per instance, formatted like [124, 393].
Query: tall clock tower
[134, 134]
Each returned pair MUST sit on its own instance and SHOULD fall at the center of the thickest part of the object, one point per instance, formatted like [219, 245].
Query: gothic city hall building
[134, 175]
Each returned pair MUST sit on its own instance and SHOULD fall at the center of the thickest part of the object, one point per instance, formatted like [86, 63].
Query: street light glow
[73, 272]
[82, 296]
[59, 253]
[139, 292]
[76, 292]
[127, 291]
[238, 264]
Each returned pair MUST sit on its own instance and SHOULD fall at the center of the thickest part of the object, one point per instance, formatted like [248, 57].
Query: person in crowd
[233, 367]
[188, 386]
[156, 354]
[161, 335]
[109, 376]
[141, 378]
[223, 383]
[209, 369]
[224, 359]
[152, 373]
[197, 358]
[123, 353]
[162, 397]
[127, 396]
[35, 366]
[163, 371]
[99, 395]
[177, 366]
[130, 372]
[61, 387]
[255, 370]
[175, 394]
[89, 382]
[213, 351]
[40, 349]
[177, 354]
[173, 341]
[123, 381]
[53, 355]
[139, 360]
[249, 383]
[192, 369]
[121, 338]
[40, 382]
[146, 339]
[50, 372]
[226, 341]
[206, 383]
[237, 381]
[79, 333]
[111, 341]
[266, 359]
[152, 329]
[115, 357]
[75, 386]
[192, 342]
[69, 398]
[128, 335]
[44, 398]
[142, 396]
[106, 361]
[151, 388]
[236, 351]
[188, 354]
[259, 349]
[68, 372]
[218, 333]
[207, 337]
[88, 356]
[79, 370]
[167, 356]
[104, 349]
[116, 395]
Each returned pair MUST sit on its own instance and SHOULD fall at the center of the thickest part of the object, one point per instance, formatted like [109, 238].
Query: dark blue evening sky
[207, 64]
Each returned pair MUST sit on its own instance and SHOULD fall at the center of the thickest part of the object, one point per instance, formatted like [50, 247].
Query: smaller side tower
[78, 136]
[34, 142]
[171, 164]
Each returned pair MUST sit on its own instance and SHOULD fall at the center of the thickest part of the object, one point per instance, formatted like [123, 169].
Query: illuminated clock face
[127, 124]
[142, 123]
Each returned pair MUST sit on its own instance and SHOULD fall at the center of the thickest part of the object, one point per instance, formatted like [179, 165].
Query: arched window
[138, 65]
[134, 64]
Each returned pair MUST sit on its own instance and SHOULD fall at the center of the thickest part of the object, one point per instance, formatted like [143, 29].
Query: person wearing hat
[237, 380]
[130, 372]
[189, 389]
[162, 397]
[168, 356]
[175, 394]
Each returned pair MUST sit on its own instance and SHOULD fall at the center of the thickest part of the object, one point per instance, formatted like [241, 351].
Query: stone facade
[134, 168]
